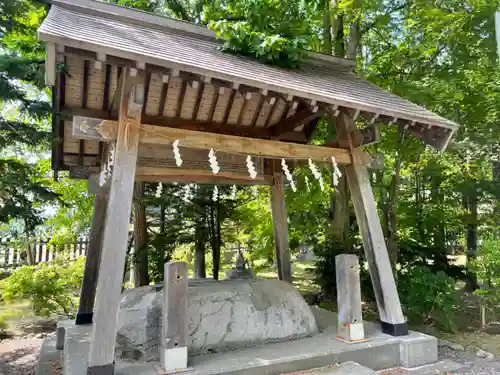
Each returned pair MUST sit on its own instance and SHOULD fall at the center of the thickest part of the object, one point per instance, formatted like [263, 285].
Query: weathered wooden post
[90, 274]
[116, 228]
[173, 348]
[350, 316]
[391, 315]
[280, 224]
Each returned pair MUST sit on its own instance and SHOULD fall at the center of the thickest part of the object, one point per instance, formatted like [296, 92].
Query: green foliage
[50, 286]
[487, 269]
[325, 266]
[275, 32]
[429, 297]
[160, 251]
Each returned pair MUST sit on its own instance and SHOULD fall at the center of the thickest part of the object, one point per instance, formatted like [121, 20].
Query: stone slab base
[380, 352]
[347, 368]
[417, 349]
[49, 356]
[62, 325]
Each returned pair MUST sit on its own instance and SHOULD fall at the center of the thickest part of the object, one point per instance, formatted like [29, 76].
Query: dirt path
[19, 356]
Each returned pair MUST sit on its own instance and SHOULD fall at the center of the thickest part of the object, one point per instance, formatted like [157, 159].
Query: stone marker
[173, 347]
[350, 318]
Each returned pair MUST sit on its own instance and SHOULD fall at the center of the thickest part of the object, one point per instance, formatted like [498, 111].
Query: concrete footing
[380, 352]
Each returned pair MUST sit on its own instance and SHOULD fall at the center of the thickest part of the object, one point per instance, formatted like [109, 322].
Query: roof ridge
[142, 18]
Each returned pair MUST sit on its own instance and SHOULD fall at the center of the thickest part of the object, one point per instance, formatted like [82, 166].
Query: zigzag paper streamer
[233, 192]
[251, 167]
[317, 174]
[177, 154]
[307, 184]
[107, 170]
[255, 191]
[336, 172]
[215, 195]
[159, 190]
[288, 175]
[213, 161]
[187, 193]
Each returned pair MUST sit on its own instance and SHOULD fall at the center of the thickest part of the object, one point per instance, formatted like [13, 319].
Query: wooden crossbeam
[107, 130]
[206, 126]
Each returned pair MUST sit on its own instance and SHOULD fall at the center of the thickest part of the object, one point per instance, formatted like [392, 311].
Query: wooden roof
[191, 84]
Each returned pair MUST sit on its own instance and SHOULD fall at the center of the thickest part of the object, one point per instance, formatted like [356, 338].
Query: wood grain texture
[280, 225]
[374, 245]
[175, 305]
[152, 134]
[348, 293]
[108, 296]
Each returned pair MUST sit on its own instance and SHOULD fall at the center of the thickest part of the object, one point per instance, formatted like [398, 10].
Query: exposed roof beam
[301, 117]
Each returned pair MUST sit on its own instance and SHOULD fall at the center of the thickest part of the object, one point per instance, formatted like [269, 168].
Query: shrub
[325, 266]
[487, 269]
[3, 326]
[49, 286]
[428, 296]
[325, 270]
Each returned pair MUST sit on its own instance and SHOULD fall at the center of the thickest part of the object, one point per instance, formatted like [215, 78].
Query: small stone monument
[240, 271]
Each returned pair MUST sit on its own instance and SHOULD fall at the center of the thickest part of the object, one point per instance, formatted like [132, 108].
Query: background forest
[439, 54]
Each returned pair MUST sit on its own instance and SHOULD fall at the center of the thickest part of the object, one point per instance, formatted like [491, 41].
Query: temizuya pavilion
[136, 82]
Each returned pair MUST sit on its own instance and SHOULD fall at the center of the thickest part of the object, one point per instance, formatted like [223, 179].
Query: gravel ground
[20, 356]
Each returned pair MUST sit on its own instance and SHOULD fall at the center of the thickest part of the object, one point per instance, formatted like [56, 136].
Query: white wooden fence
[13, 254]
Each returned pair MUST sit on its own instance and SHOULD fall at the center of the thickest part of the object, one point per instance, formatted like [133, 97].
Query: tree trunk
[338, 29]
[354, 31]
[339, 200]
[440, 255]
[199, 253]
[327, 30]
[30, 254]
[471, 235]
[141, 276]
[392, 234]
[216, 245]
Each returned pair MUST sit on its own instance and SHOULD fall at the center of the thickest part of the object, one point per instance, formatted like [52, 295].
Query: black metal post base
[102, 370]
[400, 329]
[84, 318]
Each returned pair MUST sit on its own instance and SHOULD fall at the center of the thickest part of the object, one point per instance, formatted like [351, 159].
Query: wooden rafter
[299, 118]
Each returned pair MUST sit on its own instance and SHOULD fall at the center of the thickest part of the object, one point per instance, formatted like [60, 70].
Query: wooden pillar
[173, 348]
[116, 228]
[391, 315]
[280, 224]
[91, 272]
[350, 315]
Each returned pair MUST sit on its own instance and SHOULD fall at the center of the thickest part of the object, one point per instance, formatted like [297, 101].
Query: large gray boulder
[224, 315]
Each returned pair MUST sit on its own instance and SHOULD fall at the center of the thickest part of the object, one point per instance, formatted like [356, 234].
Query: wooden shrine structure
[134, 83]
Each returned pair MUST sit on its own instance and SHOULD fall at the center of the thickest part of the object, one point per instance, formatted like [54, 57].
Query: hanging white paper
[187, 193]
[233, 192]
[213, 161]
[159, 190]
[336, 172]
[177, 154]
[215, 195]
[288, 175]
[317, 174]
[251, 167]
